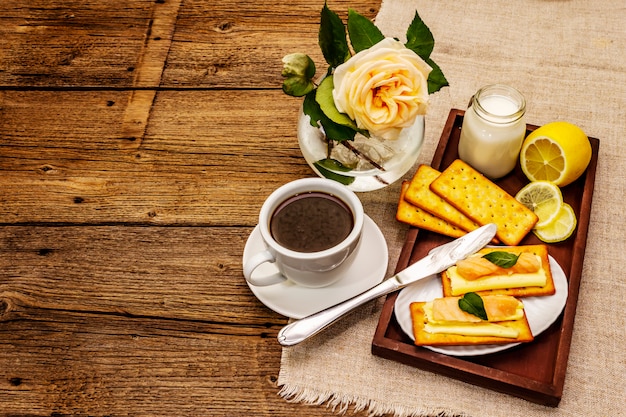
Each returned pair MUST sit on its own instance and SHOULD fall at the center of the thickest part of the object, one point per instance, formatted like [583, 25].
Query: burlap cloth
[568, 58]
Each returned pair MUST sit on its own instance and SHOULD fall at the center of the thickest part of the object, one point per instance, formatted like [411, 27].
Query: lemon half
[558, 152]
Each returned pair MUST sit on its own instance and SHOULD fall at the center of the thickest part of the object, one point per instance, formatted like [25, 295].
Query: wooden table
[138, 140]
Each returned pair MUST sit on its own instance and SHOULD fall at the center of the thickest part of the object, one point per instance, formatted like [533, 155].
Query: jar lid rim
[502, 90]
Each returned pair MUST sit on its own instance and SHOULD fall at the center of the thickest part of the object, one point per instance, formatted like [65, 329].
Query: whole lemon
[558, 152]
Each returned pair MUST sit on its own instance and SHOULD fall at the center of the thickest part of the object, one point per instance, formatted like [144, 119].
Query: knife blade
[437, 260]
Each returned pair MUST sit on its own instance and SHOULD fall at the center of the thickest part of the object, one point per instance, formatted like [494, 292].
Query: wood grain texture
[72, 43]
[67, 363]
[168, 272]
[241, 37]
[138, 139]
[88, 43]
[206, 158]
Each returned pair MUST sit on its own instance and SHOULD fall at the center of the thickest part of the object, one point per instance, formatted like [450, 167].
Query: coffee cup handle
[256, 261]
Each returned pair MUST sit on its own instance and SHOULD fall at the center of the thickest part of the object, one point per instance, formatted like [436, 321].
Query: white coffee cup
[308, 269]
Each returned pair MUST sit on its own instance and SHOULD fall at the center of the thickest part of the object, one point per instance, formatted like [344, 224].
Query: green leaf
[324, 98]
[333, 164]
[323, 166]
[332, 38]
[436, 79]
[298, 70]
[421, 41]
[502, 258]
[332, 130]
[297, 86]
[363, 32]
[311, 108]
[298, 64]
[336, 131]
[472, 303]
[419, 38]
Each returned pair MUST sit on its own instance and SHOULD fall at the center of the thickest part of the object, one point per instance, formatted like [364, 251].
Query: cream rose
[383, 88]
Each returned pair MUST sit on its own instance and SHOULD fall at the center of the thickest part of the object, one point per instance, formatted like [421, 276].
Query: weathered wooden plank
[72, 43]
[87, 43]
[67, 364]
[157, 43]
[202, 149]
[114, 320]
[149, 69]
[240, 44]
[100, 315]
[191, 273]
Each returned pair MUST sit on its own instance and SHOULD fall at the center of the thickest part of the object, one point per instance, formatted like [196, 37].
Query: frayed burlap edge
[344, 404]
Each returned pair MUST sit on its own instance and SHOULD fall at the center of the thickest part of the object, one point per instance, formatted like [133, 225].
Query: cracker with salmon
[477, 274]
[442, 323]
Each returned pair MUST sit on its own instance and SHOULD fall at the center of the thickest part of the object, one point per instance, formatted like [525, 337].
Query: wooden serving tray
[534, 371]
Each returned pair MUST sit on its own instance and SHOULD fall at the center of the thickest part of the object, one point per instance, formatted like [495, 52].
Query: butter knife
[437, 260]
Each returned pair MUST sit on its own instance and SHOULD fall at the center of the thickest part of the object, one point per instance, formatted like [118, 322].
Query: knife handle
[302, 329]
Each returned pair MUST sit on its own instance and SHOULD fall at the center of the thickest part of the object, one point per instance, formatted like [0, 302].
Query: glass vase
[362, 164]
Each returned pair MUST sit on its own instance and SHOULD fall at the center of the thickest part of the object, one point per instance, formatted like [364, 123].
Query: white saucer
[365, 268]
[541, 312]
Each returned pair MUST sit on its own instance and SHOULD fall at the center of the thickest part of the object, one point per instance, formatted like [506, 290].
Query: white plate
[541, 312]
[365, 268]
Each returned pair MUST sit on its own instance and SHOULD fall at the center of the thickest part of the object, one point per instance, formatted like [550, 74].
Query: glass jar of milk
[493, 130]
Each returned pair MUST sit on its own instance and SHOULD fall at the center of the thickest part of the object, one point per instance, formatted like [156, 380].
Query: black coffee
[311, 222]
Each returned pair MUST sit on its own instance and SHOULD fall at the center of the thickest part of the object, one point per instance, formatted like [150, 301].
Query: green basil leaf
[501, 258]
[472, 303]
[322, 165]
[363, 32]
[332, 38]
[419, 38]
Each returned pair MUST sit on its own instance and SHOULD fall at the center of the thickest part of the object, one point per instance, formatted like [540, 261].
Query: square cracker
[484, 202]
[539, 250]
[423, 338]
[407, 213]
[420, 195]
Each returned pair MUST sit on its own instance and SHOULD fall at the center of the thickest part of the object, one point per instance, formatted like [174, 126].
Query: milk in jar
[493, 130]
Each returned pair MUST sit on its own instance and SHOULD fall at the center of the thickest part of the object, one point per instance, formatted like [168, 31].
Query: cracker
[407, 213]
[420, 195]
[540, 250]
[423, 338]
[484, 202]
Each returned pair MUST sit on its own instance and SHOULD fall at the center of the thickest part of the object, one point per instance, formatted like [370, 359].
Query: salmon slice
[447, 309]
[497, 307]
[526, 263]
[476, 267]
[500, 307]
